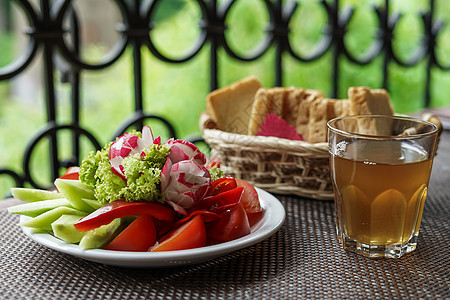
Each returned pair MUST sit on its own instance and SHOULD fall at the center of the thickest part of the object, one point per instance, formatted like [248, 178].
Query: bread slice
[266, 101]
[338, 108]
[260, 108]
[320, 112]
[365, 101]
[230, 107]
[304, 101]
[317, 124]
[290, 104]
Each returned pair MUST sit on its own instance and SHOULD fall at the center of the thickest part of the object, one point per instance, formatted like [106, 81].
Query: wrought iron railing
[46, 28]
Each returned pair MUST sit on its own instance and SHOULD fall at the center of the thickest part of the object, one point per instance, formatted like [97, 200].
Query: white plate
[273, 219]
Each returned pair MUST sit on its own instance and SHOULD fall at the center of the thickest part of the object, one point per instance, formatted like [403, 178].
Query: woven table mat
[302, 260]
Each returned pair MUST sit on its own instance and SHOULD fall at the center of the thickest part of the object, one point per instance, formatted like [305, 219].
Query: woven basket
[274, 164]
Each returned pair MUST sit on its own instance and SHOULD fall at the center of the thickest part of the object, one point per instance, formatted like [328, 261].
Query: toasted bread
[266, 101]
[317, 123]
[365, 101]
[230, 107]
[242, 107]
[260, 108]
[303, 111]
[320, 112]
[290, 104]
[338, 108]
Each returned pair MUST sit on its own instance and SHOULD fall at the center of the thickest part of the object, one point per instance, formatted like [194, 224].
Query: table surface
[303, 259]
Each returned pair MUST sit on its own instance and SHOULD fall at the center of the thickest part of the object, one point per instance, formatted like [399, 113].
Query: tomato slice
[163, 227]
[232, 225]
[223, 184]
[219, 201]
[71, 173]
[140, 235]
[207, 217]
[254, 218]
[191, 234]
[120, 209]
[249, 199]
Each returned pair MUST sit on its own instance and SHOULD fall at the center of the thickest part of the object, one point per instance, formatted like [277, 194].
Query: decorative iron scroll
[46, 31]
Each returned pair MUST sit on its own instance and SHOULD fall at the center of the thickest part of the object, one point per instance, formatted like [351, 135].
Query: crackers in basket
[230, 106]
[243, 106]
[364, 101]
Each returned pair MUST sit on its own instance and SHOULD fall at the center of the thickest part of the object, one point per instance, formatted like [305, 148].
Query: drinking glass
[380, 169]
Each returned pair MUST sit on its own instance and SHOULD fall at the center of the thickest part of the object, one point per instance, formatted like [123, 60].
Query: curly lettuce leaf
[89, 166]
[142, 180]
[216, 173]
[142, 172]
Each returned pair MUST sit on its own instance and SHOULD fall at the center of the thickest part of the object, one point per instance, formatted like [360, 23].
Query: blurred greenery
[177, 91]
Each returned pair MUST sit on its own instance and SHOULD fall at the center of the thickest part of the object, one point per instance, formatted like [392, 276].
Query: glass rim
[396, 117]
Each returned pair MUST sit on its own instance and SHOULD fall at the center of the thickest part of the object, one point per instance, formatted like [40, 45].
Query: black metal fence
[47, 26]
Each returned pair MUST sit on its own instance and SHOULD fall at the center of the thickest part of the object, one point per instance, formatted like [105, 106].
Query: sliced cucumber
[95, 204]
[37, 230]
[75, 191]
[33, 195]
[63, 229]
[100, 237]
[45, 220]
[34, 209]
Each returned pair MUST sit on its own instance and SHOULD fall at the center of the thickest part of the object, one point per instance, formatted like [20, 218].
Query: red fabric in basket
[277, 127]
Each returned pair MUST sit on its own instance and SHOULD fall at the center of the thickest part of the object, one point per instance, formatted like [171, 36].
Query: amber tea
[382, 202]
[380, 188]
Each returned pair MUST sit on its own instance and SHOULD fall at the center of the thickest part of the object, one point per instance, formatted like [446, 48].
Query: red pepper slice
[71, 173]
[120, 209]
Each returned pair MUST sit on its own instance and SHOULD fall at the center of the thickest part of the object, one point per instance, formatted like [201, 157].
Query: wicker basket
[274, 164]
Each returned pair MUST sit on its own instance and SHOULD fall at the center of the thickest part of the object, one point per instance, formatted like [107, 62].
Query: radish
[183, 150]
[129, 144]
[184, 183]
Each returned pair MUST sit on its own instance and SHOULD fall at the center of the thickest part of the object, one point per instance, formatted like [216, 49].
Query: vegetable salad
[139, 194]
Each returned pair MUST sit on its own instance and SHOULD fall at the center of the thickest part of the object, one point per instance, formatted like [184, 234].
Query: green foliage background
[177, 92]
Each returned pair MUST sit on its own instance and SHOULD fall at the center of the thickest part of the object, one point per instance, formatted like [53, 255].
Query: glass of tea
[380, 169]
